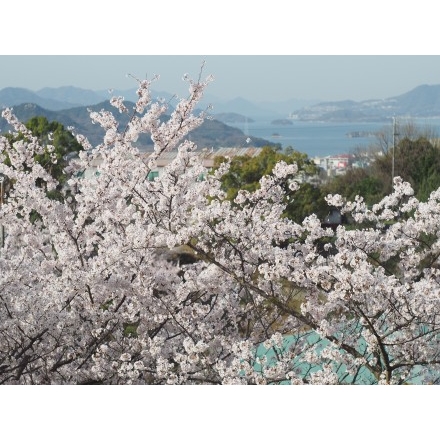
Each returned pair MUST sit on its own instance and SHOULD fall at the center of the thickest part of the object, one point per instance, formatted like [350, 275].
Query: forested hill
[212, 133]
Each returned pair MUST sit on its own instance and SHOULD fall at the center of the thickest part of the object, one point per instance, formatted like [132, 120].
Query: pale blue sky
[312, 50]
[258, 78]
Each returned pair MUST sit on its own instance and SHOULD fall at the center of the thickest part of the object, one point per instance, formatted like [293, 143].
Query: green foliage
[416, 160]
[357, 181]
[430, 183]
[53, 133]
[245, 173]
[309, 199]
[130, 330]
[54, 159]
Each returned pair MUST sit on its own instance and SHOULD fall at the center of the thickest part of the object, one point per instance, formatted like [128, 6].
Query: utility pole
[394, 148]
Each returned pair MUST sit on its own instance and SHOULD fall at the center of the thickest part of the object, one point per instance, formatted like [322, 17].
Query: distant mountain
[216, 134]
[24, 112]
[131, 95]
[245, 108]
[66, 97]
[287, 106]
[423, 101]
[11, 96]
[74, 96]
[211, 134]
[232, 118]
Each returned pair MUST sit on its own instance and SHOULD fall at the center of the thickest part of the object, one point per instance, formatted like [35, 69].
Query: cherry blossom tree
[89, 293]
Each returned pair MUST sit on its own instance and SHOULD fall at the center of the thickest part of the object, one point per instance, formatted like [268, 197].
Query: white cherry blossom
[90, 291]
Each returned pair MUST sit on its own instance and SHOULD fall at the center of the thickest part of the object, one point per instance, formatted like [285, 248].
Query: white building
[335, 165]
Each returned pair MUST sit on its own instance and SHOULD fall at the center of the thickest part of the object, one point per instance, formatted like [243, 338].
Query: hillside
[12, 96]
[212, 133]
[57, 98]
[73, 96]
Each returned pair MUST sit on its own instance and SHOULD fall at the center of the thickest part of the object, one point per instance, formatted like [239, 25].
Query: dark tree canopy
[54, 133]
[245, 173]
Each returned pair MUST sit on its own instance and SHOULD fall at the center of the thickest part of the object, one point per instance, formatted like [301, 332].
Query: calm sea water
[324, 138]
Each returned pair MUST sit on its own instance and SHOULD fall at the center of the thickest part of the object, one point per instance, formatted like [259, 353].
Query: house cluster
[335, 165]
[330, 165]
